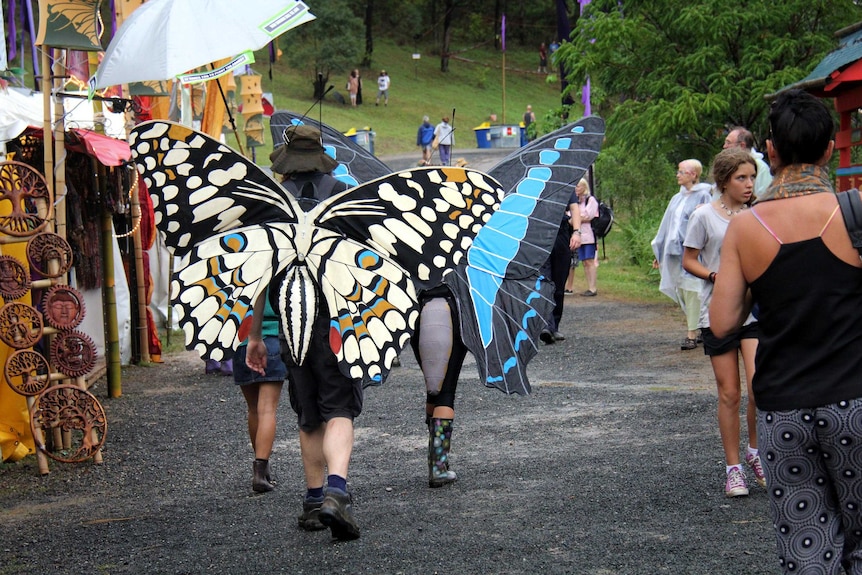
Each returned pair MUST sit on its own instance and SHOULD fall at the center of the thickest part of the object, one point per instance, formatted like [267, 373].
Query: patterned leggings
[813, 464]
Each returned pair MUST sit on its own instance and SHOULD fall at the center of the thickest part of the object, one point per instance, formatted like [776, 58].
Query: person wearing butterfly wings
[325, 401]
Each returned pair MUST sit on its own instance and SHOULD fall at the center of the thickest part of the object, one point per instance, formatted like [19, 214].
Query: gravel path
[612, 466]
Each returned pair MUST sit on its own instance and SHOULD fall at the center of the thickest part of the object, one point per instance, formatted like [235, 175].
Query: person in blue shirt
[424, 139]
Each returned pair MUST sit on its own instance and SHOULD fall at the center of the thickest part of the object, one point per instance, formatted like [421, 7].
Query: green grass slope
[473, 87]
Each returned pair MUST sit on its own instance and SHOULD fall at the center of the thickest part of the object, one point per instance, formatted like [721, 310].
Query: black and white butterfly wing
[200, 186]
[502, 298]
[424, 219]
[362, 250]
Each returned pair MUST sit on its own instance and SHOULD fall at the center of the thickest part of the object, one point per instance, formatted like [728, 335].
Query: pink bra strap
[829, 221]
[766, 227]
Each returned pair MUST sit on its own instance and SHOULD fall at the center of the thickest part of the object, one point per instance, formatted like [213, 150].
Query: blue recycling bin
[483, 136]
[364, 138]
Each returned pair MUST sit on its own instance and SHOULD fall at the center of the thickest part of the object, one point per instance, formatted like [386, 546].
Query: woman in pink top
[587, 252]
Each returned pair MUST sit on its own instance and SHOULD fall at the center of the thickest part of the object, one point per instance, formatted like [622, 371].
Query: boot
[260, 482]
[439, 439]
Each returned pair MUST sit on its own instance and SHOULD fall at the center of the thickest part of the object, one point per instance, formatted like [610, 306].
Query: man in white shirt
[382, 88]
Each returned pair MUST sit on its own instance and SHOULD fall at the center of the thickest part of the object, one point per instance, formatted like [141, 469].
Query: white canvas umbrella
[163, 39]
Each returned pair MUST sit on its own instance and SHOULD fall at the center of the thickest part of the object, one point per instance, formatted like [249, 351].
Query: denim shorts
[586, 252]
[720, 345]
[275, 368]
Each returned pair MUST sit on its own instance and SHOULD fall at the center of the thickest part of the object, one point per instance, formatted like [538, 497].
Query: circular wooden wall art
[20, 325]
[73, 352]
[63, 307]
[49, 254]
[30, 205]
[27, 372]
[14, 278]
[75, 411]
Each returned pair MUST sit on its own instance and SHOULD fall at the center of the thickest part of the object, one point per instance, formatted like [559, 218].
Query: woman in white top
[734, 172]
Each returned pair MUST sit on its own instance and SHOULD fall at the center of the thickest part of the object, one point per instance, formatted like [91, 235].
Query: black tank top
[810, 349]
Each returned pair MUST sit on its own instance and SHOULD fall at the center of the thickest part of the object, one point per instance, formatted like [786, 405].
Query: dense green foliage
[674, 76]
[330, 44]
[671, 77]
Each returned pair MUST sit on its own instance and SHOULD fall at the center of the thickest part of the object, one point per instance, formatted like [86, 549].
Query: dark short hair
[800, 127]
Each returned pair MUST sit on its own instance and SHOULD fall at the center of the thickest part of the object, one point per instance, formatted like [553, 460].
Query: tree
[330, 44]
[673, 76]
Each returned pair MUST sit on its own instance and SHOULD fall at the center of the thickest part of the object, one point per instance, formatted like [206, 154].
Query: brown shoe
[688, 343]
[310, 518]
[335, 513]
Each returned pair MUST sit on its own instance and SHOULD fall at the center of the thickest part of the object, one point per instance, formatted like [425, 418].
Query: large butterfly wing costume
[502, 299]
[364, 250]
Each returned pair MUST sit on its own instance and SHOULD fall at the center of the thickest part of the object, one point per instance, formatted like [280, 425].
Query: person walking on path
[556, 267]
[440, 351]
[733, 171]
[676, 283]
[262, 393]
[588, 206]
[445, 137]
[791, 255]
[424, 139]
[325, 400]
[383, 82]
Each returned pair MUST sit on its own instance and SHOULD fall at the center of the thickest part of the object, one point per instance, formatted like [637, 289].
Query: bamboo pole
[59, 194]
[143, 324]
[47, 132]
[109, 295]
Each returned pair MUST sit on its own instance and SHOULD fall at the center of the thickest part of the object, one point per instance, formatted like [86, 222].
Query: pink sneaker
[756, 466]
[735, 486]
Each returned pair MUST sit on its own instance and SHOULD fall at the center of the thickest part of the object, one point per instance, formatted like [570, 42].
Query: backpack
[603, 222]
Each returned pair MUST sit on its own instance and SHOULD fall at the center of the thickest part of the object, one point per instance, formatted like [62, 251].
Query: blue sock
[337, 481]
[316, 493]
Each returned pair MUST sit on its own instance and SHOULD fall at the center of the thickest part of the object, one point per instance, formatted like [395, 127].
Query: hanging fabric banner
[72, 24]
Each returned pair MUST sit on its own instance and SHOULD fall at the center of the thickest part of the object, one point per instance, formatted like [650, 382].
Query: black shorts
[720, 345]
[318, 390]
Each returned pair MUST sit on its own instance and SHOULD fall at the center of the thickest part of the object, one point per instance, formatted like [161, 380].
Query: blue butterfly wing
[502, 298]
[356, 165]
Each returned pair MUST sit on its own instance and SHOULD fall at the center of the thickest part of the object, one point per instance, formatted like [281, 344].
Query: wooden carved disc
[63, 307]
[75, 411]
[49, 254]
[30, 203]
[14, 278]
[27, 372]
[73, 352]
[20, 325]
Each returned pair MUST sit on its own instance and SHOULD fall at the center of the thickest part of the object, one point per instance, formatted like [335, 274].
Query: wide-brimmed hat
[302, 152]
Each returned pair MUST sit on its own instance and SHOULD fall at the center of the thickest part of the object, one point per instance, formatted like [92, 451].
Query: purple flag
[503, 33]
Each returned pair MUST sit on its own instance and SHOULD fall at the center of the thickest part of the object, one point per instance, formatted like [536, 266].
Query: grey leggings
[813, 464]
